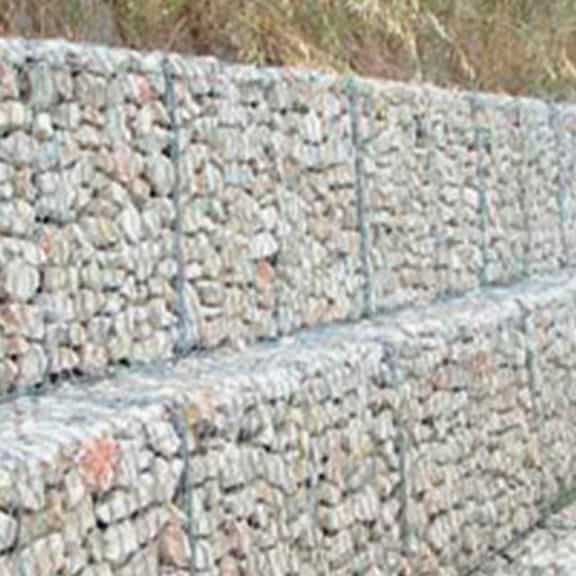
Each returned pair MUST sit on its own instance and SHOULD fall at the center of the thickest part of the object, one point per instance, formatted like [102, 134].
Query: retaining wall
[151, 204]
[154, 208]
[407, 445]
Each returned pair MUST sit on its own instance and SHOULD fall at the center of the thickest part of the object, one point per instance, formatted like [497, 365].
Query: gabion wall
[155, 208]
[409, 445]
[151, 205]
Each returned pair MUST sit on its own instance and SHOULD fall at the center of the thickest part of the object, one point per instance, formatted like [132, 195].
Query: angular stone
[160, 173]
[6, 172]
[16, 218]
[149, 525]
[131, 225]
[19, 281]
[101, 232]
[174, 543]
[32, 366]
[13, 116]
[98, 570]
[119, 542]
[203, 556]
[163, 439]
[19, 149]
[144, 562]
[57, 197]
[44, 92]
[42, 127]
[75, 489]
[21, 320]
[6, 490]
[263, 246]
[8, 81]
[98, 461]
[44, 557]
[67, 116]
[92, 91]
[79, 521]
[7, 566]
[8, 531]
[120, 505]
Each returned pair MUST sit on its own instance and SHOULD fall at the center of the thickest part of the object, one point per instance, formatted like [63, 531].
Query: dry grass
[515, 46]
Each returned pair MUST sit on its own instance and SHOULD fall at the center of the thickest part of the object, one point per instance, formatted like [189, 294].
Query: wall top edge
[111, 61]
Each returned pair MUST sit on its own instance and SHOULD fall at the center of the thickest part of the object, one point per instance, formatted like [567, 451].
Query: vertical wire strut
[532, 368]
[313, 473]
[431, 178]
[390, 355]
[570, 191]
[180, 426]
[362, 205]
[187, 327]
[482, 190]
[523, 195]
[561, 189]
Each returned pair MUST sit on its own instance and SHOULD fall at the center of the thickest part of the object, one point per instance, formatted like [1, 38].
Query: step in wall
[417, 443]
[152, 204]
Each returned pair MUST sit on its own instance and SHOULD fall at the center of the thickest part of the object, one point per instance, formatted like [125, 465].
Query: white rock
[163, 439]
[6, 172]
[98, 570]
[8, 531]
[19, 149]
[160, 173]
[33, 365]
[119, 542]
[43, 558]
[131, 224]
[263, 246]
[13, 116]
[19, 281]
[42, 128]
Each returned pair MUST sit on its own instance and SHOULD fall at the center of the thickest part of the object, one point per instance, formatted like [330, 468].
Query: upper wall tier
[151, 204]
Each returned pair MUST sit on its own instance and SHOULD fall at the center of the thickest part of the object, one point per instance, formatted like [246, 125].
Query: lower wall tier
[416, 444]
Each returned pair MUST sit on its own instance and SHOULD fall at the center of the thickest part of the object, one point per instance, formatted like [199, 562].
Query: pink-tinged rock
[127, 164]
[13, 116]
[265, 276]
[335, 465]
[145, 92]
[8, 375]
[93, 358]
[64, 360]
[238, 538]
[17, 346]
[21, 320]
[7, 567]
[214, 333]
[8, 82]
[174, 545]
[229, 567]
[98, 462]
